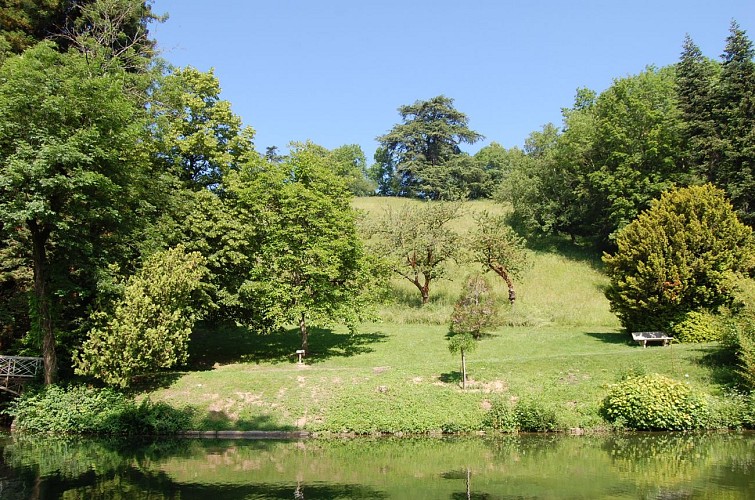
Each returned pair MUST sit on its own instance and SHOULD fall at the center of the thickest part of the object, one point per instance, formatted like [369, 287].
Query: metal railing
[17, 370]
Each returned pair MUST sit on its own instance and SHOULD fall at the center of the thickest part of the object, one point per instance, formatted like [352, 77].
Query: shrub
[680, 255]
[655, 402]
[732, 411]
[528, 416]
[698, 326]
[150, 326]
[502, 416]
[79, 409]
[533, 416]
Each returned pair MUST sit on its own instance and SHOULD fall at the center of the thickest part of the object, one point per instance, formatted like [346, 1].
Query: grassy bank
[401, 378]
[560, 347]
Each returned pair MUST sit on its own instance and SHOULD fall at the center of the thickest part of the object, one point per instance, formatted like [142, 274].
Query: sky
[336, 71]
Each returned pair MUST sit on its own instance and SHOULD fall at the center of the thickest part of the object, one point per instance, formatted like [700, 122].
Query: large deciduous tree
[681, 255]
[310, 267]
[72, 168]
[198, 137]
[416, 151]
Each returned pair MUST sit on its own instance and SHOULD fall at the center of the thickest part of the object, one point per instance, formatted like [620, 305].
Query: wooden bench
[645, 337]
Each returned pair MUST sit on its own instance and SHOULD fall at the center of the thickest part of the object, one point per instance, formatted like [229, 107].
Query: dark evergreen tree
[736, 112]
[418, 150]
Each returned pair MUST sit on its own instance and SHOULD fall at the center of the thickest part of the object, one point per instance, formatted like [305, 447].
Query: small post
[300, 352]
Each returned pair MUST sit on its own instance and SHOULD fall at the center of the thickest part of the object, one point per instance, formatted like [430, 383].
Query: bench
[645, 337]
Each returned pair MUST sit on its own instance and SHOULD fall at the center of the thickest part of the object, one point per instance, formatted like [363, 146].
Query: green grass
[391, 378]
[560, 346]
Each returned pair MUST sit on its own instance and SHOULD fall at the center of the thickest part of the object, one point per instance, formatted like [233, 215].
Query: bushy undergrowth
[696, 327]
[78, 409]
[527, 416]
[655, 402]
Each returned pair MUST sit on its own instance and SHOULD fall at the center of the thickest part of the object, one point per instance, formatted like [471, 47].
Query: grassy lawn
[560, 345]
[402, 377]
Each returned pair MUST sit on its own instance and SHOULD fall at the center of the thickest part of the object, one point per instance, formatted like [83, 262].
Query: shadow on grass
[722, 364]
[154, 381]
[451, 378]
[575, 250]
[221, 421]
[231, 344]
[612, 337]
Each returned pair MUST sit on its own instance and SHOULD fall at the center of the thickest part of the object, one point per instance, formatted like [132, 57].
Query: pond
[720, 465]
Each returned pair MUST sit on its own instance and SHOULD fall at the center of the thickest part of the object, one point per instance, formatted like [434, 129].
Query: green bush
[528, 416]
[533, 416]
[79, 409]
[696, 327]
[655, 402]
[502, 416]
[732, 411]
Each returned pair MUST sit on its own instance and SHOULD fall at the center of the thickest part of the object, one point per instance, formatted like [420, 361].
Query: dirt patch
[495, 386]
[380, 369]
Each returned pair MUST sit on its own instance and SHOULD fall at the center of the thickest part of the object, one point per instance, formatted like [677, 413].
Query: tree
[110, 28]
[310, 268]
[617, 152]
[496, 246]
[463, 343]
[417, 241]
[680, 255]
[73, 173]
[149, 327]
[350, 163]
[198, 137]
[735, 110]
[419, 148]
[474, 312]
[696, 79]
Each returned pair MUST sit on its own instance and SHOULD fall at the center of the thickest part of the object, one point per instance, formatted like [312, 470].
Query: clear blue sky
[335, 71]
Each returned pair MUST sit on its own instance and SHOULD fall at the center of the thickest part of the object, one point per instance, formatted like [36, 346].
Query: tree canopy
[413, 156]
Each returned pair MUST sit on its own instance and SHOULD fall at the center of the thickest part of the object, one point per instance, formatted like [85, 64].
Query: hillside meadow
[559, 346]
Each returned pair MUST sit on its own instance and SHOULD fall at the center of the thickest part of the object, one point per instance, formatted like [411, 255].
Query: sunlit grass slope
[554, 290]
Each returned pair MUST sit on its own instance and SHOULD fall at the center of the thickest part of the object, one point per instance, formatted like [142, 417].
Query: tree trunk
[503, 273]
[463, 370]
[424, 289]
[43, 317]
[304, 334]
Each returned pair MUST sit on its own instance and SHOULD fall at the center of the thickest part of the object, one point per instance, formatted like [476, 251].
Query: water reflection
[631, 466]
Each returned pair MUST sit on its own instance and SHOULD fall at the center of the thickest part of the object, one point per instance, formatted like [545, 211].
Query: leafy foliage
[529, 415]
[698, 326]
[149, 328]
[739, 336]
[534, 416]
[496, 246]
[311, 267]
[74, 165]
[655, 403]
[198, 138]
[475, 310]
[413, 156]
[79, 409]
[681, 255]
[417, 241]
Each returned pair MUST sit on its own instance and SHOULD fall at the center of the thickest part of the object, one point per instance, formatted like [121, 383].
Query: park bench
[645, 337]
